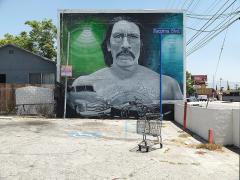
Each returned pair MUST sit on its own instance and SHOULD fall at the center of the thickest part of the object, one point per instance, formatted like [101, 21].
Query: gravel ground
[57, 149]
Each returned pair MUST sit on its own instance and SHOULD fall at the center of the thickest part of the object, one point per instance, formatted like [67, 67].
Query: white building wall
[236, 127]
[224, 122]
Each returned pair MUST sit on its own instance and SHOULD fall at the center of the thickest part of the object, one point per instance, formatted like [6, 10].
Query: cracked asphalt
[72, 149]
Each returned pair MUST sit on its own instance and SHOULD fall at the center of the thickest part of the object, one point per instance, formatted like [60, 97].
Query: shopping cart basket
[150, 124]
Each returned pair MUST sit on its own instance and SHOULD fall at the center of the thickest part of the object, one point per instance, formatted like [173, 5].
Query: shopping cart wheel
[139, 147]
[161, 146]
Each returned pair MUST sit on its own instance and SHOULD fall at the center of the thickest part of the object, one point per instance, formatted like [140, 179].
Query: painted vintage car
[82, 100]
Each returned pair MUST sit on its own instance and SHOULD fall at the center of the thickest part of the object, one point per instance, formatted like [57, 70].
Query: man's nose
[125, 43]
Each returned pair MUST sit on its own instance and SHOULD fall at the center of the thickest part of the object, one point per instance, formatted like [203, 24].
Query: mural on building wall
[115, 60]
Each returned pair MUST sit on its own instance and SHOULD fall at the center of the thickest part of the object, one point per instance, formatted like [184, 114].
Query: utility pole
[213, 87]
[66, 79]
[220, 85]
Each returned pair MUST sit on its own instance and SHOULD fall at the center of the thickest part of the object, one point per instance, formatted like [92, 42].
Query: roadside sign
[66, 71]
[161, 32]
[167, 31]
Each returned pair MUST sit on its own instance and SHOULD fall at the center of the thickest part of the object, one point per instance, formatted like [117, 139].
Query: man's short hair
[107, 55]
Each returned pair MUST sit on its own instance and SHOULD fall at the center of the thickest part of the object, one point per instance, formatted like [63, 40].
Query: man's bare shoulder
[167, 80]
[146, 72]
[92, 78]
[101, 72]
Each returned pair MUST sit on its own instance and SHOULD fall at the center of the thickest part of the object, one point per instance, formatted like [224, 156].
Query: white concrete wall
[200, 120]
[236, 127]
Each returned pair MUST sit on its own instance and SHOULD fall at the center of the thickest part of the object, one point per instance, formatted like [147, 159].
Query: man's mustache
[125, 53]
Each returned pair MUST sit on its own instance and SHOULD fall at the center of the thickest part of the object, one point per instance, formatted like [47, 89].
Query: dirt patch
[178, 141]
[26, 124]
[37, 123]
[195, 164]
[118, 139]
[211, 147]
[181, 131]
[92, 124]
[200, 152]
[131, 175]
[174, 163]
[180, 163]
[185, 135]
[166, 150]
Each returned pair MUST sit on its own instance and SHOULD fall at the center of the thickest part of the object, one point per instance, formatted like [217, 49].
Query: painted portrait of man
[125, 78]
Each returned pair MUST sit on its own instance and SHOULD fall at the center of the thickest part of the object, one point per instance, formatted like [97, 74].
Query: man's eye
[117, 36]
[133, 36]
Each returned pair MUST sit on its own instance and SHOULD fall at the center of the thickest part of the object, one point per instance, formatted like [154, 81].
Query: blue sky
[13, 14]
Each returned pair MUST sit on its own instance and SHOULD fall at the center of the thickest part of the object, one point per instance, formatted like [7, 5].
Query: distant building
[19, 66]
[206, 91]
[200, 85]
[231, 95]
[199, 81]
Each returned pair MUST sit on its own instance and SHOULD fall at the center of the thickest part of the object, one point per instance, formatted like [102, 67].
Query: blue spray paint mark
[85, 134]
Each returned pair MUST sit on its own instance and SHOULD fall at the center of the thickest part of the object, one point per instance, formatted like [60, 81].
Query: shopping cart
[149, 124]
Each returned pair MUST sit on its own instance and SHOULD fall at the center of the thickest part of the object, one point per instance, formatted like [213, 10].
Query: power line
[207, 18]
[210, 15]
[206, 25]
[196, 23]
[190, 5]
[194, 6]
[213, 30]
[212, 6]
[216, 28]
[210, 38]
[211, 35]
[184, 4]
[220, 54]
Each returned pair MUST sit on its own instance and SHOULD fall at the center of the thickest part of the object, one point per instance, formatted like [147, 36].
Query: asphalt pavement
[72, 149]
